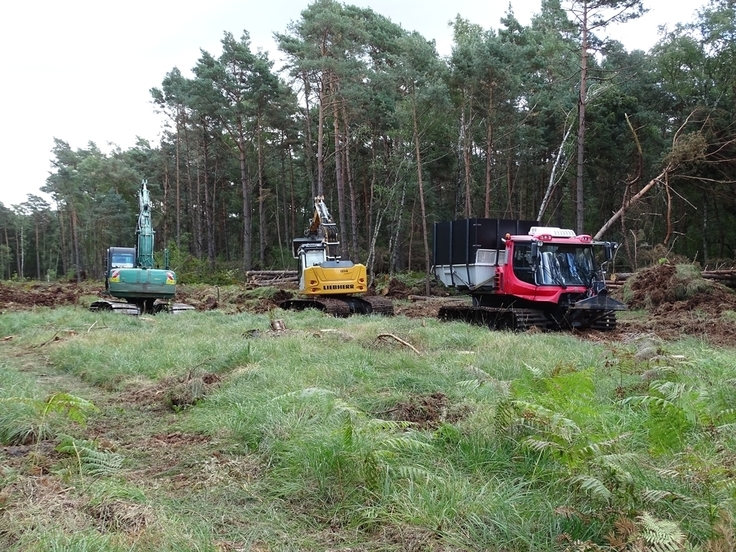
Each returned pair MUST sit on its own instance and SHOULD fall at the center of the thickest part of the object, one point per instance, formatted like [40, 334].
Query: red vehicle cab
[525, 274]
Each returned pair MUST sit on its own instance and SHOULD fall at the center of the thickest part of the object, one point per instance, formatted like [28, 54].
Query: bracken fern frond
[89, 460]
[592, 486]
[660, 535]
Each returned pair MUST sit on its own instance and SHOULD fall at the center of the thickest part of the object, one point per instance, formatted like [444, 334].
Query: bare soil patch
[25, 296]
[674, 299]
[425, 411]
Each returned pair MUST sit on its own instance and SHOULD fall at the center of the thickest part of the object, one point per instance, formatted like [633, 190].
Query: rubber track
[342, 307]
[177, 308]
[530, 318]
[380, 305]
[496, 317]
[122, 307]
[517, 319]
[119, 307]
[330, 306]
[335, 307]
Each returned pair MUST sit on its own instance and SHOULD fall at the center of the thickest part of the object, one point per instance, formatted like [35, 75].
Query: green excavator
[133, 285]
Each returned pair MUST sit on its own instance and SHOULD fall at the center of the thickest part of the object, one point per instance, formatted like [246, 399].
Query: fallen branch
[618, 214]
[661, 178]
[55, 337]
[271, 275]
[404, 343]
[553, 180]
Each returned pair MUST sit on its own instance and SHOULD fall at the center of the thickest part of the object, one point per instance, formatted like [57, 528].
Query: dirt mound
[426, 411]
[281, 295]
[21, 297]
[230, 299]
[666, 288]
[681, 302]
[398, 289]
[652, 287]
[171, 393]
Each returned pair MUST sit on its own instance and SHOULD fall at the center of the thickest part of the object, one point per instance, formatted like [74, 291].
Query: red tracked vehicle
[522, 275]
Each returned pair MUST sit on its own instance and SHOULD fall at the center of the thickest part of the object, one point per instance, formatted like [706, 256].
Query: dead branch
[661, 178]
[264, 273]
[55, 337]
[399, 340]
[265, 283]
[657, 179]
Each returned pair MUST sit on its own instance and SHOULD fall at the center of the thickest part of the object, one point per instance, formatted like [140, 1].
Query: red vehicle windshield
[557, 264]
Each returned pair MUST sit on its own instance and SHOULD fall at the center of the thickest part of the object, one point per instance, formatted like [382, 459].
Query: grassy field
[213, 432]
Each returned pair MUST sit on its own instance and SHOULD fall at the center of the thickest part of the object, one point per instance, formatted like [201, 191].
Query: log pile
[261, 278]
[726, 277]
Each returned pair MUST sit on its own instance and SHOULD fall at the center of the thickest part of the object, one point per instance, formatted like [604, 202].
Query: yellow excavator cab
[334, 278]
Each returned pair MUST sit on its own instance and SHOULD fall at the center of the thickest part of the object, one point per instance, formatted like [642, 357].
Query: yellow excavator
[327, 282]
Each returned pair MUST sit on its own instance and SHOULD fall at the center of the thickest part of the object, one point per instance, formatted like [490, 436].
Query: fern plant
[674, 409]
[557, 422]
[27, 420]
[340, 454]
[87, 458]
[648, 533]
[593, 466]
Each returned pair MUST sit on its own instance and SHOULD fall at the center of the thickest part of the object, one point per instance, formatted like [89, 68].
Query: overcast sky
[81, 70]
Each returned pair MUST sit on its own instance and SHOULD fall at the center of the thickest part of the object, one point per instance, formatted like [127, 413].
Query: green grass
[329, 436]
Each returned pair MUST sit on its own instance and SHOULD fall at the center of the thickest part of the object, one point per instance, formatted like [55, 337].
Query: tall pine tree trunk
[207, 232]
[164, 205]
[245, 193]
[75, 244]
[20, 249]
[579, 208]
[339, 174]
[465, 125]
[425, 234]
[489, 155]
[38, 255]
[261, 197]
[351, 185]
[62, 234]
[7, 264]
[308, 135]
[178, 188]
